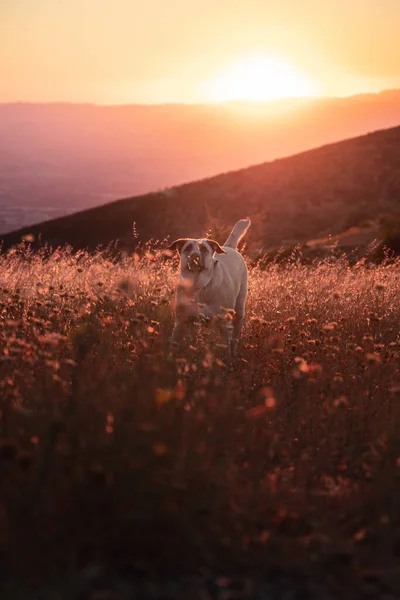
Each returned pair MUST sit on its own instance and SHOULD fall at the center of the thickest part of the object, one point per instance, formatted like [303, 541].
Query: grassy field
[117, 457]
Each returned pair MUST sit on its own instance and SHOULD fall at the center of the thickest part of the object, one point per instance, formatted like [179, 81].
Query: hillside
[56, 159]
[295, 199]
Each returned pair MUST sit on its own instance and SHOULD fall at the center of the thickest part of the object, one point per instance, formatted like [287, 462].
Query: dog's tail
[237, 233]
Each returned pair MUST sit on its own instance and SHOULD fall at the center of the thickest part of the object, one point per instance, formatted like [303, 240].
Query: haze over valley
[56, 159]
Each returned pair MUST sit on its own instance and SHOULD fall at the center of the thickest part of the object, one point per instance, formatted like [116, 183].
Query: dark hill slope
[309, 195]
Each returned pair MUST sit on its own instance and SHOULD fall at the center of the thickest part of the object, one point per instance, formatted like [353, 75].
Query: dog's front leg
[239, 316]
[182, 313]
[225, 331]
[237, 328]
[194, 331]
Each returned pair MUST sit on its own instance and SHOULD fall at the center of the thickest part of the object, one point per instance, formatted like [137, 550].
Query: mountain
[314, 194]
[57, 159]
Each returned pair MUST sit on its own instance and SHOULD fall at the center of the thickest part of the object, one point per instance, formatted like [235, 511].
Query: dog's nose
[194, 257]
[194, 262]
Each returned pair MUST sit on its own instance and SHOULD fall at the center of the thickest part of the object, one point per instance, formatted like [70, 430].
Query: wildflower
[374, 318]
[257, 411]
[268, 396]
[163, 396]
[160, 449]
[329, 326]
[315, 369]
[373, 358]
[51, 338]
[264, 536]
[270, 402]
[302, 365]
[256, 320]
[180, 391]
[168, 253]
[341, 401]
[360, 535]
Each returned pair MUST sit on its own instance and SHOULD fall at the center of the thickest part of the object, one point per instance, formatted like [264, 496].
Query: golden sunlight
[261, 79]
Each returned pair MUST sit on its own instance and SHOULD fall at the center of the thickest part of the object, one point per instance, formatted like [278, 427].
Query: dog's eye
[189, 248]
[203, 249]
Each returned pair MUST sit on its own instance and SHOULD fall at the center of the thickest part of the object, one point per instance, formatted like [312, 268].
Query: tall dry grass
[115, 452]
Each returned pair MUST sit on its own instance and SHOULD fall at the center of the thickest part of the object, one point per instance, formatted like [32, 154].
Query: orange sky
[153, 51]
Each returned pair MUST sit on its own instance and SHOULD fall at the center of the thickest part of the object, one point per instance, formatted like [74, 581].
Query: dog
[212, 287]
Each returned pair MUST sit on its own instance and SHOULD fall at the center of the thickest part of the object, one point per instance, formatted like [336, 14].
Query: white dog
[212, 285]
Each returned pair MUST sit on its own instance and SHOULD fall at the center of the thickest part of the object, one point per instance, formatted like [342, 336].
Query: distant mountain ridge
[60, 158]
[310, 195]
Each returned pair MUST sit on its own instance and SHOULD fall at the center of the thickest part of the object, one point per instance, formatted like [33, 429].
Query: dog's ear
[177, 244]
[216, 247]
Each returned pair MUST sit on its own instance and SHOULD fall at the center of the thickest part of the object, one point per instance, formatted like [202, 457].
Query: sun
[261, 79]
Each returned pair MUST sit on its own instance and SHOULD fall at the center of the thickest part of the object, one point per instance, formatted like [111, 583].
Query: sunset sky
[155, 51]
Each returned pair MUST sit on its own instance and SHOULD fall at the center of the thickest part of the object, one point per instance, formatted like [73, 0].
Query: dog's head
[196, 255]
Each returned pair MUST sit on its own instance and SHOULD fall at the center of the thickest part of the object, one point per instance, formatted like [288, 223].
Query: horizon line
[209, 103]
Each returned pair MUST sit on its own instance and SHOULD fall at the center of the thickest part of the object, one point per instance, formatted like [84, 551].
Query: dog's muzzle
[194, 264]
